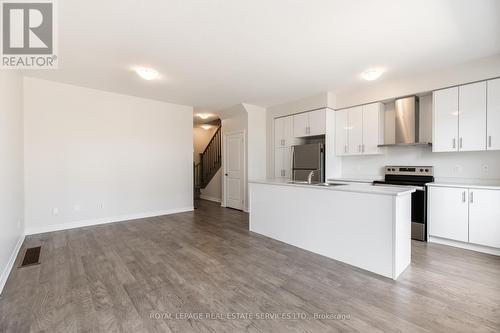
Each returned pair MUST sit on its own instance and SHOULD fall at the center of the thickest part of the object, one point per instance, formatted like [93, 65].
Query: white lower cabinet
[448, 213]
[484, 217]
[469, 215]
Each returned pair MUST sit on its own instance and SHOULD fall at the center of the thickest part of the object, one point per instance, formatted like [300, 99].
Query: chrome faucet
[309, 177]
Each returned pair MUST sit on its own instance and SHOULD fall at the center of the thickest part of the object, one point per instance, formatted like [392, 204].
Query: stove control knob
[421, 170]
[426, 170]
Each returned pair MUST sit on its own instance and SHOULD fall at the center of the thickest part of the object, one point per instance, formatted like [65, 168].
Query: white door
[300, 125]
[371, 128]
[317, 122]
[279, 132]
[288, 131]
[341, 132]
[484, 217]
[445, 120]
[493, 116]
[472, 117]
[234, 170]
[355, 130]
[448, 213]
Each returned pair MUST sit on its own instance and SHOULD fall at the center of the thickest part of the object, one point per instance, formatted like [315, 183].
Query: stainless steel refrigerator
[307, 158]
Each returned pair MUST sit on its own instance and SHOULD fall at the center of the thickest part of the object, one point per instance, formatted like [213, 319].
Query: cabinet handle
[489, 141]
[460, 143]
[345, 148]
[282, 142]
[471, 197]
[454, 143]
[463, 196]
[363, 148]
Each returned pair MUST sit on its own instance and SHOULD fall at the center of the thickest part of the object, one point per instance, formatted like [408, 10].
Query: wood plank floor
[155, 274]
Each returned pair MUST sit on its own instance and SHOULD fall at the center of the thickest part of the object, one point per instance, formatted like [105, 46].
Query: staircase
[210, 163]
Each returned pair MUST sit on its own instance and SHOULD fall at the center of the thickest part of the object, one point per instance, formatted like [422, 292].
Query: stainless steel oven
[416, 177]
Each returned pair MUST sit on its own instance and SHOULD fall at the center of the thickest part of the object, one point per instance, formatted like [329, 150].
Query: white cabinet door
[448, 213]
[472, 117]
[279, 134]
[278, 163]
[287, 162]
[493, 115]
[484, 217]
[300, 125]
[341, 132]
[288, 131]
[317, 122]
[355, 129]
[445, 120]
[371, 128]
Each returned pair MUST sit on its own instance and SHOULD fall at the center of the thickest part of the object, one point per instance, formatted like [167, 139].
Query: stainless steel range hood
[407, 123]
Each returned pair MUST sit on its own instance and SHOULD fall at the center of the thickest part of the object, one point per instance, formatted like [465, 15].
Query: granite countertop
[345, 187]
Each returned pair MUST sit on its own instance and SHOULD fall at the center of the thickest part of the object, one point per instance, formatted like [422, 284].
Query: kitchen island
[359, 224]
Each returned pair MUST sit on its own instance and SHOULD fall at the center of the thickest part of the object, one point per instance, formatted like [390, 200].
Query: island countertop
[346, 187]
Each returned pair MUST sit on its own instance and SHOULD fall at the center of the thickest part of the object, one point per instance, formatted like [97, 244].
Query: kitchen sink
[329, 184]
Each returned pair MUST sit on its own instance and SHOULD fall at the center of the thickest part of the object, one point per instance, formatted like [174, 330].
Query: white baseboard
[87, 223]
[462, 245]
[10, 264]
[209, 198]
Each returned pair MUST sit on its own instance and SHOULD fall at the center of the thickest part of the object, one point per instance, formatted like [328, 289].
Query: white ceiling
[214, 54]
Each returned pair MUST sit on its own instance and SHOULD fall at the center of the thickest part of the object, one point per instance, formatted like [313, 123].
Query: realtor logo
[28, 31]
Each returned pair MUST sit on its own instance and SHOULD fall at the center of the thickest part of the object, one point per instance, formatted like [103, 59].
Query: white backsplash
[459, 166]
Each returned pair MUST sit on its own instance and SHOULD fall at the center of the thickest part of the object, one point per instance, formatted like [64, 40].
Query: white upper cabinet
[355, 130]
[373, 131]
[359, 129]
[448, 213]
[472, 117]
[493, 115]
[445, 120]
[283, 132]
[317, 122]
[310, 123]
[342, 132]
[484, 217]
[300, 125]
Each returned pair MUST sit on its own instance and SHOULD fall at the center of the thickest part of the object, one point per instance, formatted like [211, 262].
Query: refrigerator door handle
[292, 167]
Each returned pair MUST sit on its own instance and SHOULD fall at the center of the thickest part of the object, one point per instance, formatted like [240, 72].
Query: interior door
[234, 171]
[371, 128]
[484, 217]
[445, 120]
[317, 122]
[355, 130]
[341, 132]
[493, 116]
[449, 213]
[472, 117]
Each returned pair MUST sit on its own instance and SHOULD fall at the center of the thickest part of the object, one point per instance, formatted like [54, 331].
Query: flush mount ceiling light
[147, 73]
[203, 115]
[372, 74]
[206, 127]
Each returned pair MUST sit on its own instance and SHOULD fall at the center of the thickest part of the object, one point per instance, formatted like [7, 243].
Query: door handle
[471, 197]
[363, 148]
[454, 143]
[460, 144]
[463, 196]
[489, 141]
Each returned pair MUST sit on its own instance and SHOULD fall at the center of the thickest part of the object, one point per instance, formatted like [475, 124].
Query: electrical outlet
[456, 169]
[100, 205]
[55, 211]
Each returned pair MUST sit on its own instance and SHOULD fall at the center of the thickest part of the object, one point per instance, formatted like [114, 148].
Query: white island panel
[370, 231]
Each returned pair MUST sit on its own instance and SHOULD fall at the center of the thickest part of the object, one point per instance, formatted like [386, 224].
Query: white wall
[256, 141]
[213, 191]
[85, 148]
[11, 170]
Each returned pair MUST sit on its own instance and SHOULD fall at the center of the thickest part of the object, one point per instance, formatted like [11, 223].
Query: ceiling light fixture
[147, 73]
[372, 74]
[203, 115]
[206, 127]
